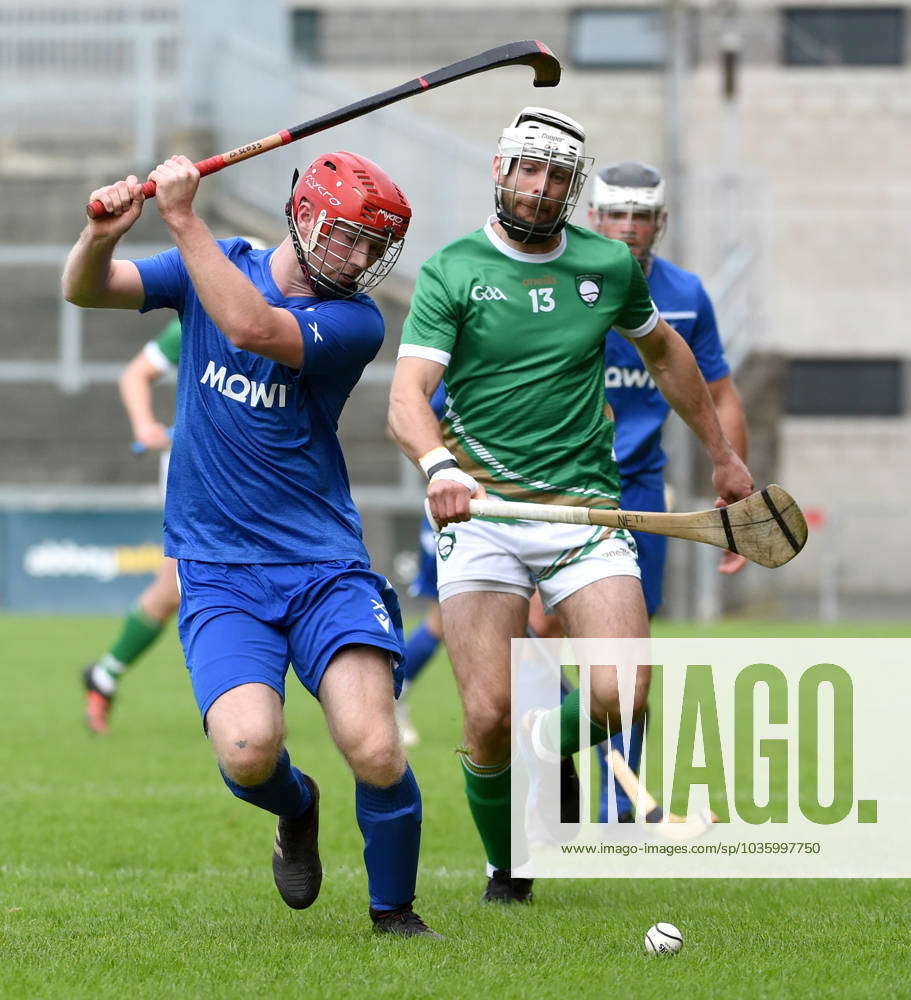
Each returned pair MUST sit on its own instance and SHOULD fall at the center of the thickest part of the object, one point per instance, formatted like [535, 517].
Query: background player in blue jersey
[259, 515]
[629, 204]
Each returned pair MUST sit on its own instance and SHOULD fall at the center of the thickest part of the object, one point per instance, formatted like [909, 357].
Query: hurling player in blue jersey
[628, 204]
[271, 562]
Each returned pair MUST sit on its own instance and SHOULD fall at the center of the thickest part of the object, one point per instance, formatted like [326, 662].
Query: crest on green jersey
[445, 544]
[589, 288]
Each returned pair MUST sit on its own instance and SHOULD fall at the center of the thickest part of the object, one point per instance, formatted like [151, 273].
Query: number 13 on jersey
[542, 300]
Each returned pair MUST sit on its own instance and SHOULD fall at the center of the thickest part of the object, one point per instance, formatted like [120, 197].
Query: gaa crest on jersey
[445, 544]
[589, 288]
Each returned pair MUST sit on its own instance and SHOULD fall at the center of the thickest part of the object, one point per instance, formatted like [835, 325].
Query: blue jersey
[257, 473]
[438, 401]
[639, 408]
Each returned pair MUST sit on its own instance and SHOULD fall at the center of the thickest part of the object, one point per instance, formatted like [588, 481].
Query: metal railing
[71, 76]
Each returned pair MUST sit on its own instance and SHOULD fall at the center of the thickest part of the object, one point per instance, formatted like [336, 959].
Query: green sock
[561, 727]
[137, 633]
[487, 790]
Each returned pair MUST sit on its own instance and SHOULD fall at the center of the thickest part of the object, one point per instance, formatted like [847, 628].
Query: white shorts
[515, 557]
[164, 460]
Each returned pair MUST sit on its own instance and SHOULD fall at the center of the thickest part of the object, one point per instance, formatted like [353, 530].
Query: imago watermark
[759, 758]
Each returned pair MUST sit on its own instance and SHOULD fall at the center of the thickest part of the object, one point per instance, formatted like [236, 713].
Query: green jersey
[164, 351]
[522, 338]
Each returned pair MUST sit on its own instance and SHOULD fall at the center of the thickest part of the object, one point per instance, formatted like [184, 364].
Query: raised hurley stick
[767, 527]
[534, 54]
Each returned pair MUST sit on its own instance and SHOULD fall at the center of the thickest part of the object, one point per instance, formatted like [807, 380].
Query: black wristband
[447, 463]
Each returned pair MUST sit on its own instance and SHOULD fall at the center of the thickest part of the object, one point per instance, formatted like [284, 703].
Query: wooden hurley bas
[767, 527]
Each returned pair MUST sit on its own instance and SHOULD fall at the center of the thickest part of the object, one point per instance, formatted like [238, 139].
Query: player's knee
[488, 727]
[249, 758]
[377, 761]
[489, 718]
[606, 711]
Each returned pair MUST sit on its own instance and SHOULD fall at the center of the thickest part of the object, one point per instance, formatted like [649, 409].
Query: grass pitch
[127, 869]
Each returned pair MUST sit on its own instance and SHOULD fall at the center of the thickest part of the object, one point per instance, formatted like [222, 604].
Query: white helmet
[631, 186]
[553, 138]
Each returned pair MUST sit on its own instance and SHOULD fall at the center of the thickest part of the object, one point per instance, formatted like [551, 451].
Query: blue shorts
[651, 549]
[242, 624]
[425, 583]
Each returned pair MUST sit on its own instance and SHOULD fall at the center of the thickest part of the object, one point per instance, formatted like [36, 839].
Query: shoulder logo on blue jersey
[589, 288]
[245, 390]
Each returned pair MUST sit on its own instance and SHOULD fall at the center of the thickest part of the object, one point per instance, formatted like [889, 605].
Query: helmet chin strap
[292, 229]
[321, 286]
[523, 232]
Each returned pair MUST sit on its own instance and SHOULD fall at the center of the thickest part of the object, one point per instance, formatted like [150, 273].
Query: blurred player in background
[271, 561]
[628, 203]
[155, 605]
[515, 316]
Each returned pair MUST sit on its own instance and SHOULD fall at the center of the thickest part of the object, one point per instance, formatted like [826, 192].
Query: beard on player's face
[535, 207]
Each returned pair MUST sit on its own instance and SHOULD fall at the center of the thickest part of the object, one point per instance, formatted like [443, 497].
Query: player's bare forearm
[411, 420]
[135, 386]
[671, 364]
[415, 427]
[233, 302]
[733, 422]
[91, 276]
[730, 413]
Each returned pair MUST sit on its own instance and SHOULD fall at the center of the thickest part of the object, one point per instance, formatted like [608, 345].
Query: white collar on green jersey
[527, 258]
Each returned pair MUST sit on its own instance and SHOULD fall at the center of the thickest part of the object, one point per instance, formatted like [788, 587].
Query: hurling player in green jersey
[515, 316]
[147, 618]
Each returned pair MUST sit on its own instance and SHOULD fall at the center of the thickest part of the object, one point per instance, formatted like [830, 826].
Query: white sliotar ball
[663, 939]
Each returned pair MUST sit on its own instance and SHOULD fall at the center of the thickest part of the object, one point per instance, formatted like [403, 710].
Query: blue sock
[390, 820]
[633, 758]
[285, 793]
[419, 647]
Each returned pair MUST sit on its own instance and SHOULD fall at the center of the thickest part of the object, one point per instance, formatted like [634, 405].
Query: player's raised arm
[91, 276]
[233, 302]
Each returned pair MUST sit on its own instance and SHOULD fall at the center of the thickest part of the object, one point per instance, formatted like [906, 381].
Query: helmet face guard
[358, 229]
[631, 190]
[555, 141]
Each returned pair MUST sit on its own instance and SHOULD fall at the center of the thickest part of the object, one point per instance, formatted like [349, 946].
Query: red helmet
[361, 217]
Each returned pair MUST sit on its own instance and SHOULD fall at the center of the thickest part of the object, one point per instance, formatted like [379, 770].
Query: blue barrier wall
[91, 560]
